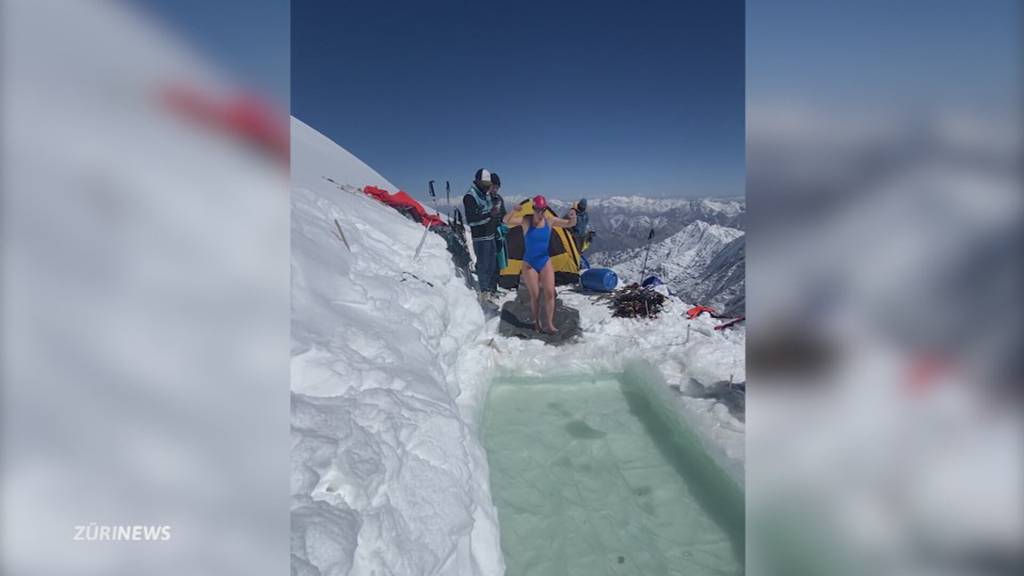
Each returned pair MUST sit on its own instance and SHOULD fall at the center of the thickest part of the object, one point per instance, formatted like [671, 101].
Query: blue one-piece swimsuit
[537, 241]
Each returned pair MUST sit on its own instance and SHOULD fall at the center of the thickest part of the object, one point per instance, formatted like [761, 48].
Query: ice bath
[597, 475]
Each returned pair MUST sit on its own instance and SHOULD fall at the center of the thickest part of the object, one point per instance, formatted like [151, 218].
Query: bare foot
[551, 330]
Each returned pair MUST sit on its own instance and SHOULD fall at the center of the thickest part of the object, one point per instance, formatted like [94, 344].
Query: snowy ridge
[723, 282]
[703, 263]
[712, 207]
[387, 476]
[725, 207]
[623, 222]
[312, 150]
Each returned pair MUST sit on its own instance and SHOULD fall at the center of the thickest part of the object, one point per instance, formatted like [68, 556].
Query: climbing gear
[634, 301]
[698, 310]
[647, 251]
[731, 323]
[341, 234]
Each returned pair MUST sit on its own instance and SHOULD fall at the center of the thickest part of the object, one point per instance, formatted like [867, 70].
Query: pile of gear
[635, 301]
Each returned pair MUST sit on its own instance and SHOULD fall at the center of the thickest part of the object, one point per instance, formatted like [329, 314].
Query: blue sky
[246, 39]
[643, 97]
[564, 99]
[885, 54]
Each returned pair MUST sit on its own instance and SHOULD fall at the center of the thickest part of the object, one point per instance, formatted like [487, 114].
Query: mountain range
[698, 249]
[623, 222]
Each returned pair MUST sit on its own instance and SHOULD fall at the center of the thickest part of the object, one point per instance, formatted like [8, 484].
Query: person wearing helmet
[482, 217]
[537, 272]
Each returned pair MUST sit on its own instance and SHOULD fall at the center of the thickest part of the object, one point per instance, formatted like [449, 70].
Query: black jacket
[500, 203]
[482, 224]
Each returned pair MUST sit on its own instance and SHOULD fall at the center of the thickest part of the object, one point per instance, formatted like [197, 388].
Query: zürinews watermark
[93, 532]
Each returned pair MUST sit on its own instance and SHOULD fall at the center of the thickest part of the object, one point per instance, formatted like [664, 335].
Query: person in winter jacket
[581, 232]
[482, 218]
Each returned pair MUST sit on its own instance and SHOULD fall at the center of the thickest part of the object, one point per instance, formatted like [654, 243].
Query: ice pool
[592, 476]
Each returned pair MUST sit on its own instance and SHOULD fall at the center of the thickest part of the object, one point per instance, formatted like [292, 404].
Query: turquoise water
[594, 476]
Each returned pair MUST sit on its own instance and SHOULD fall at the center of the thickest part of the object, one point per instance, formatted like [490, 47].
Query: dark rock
[516, 320]
[732, 394]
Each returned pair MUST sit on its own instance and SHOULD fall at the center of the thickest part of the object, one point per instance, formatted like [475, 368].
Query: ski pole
[341, 234]
[646, 253]
[423, 239]
[433, 197]
[448, 198]
[426, 230]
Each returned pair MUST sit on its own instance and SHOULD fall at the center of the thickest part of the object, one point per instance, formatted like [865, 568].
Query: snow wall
[388, 476]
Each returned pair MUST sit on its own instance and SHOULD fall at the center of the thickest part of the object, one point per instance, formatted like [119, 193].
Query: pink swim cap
[539, 202]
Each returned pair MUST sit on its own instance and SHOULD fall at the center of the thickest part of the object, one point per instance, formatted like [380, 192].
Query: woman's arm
[515, 217]
[565, 222]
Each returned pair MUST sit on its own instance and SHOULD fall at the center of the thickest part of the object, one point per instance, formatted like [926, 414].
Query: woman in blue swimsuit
[537, 271]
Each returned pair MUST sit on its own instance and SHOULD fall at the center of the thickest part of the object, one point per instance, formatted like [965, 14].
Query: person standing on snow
[481, 215]
[538, 274]
[581, 233]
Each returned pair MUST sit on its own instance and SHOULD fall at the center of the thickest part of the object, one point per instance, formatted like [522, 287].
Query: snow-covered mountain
[623, 222]
[703, 263]
[392, 360]
[723, 282]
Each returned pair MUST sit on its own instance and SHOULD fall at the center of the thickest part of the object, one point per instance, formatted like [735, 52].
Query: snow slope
[312, 152]
[144, 309]
[623, 222]
[387, 475]
[703, 263]
[723, 282]
[391, 360]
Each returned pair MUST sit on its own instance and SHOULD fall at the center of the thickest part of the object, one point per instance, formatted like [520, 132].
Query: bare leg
[547, 288]
[529, 275]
